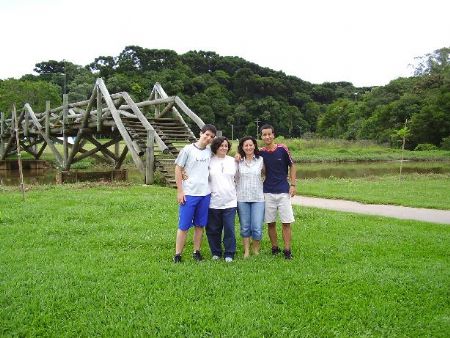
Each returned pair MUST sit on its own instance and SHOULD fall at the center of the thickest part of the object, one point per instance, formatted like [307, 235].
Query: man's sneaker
[215, 258]
[177, 258]
[197, 256]
[275, 250]
[228, 259]
[287, 254]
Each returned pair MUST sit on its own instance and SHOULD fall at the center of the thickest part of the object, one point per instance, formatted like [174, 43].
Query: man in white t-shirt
[193, 194]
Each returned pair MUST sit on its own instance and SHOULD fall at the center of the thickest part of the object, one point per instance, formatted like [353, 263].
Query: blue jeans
[218, 220]
[251, 217]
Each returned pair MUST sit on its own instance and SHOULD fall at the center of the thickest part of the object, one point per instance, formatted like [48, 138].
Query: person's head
[267, 134]
[248, 146]
[220, 146]
[207, 134]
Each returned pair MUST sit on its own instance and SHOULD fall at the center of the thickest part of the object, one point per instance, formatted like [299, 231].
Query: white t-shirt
[195, 162]
[221, 182]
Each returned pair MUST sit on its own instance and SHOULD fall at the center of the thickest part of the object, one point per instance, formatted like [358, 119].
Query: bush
[445, 144]
[425, 146]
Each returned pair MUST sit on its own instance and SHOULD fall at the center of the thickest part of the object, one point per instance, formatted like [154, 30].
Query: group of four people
[211, 186]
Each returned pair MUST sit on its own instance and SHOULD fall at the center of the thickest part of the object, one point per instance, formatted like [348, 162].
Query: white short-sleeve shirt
[221, 182]
[195, 162]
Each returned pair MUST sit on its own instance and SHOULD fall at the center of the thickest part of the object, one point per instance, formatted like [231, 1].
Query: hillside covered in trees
[232, 92]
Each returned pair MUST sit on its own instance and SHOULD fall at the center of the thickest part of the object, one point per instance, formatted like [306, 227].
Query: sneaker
[215, 258]
[287, 254]
[197, 256]
[228, 259]
[275, 250]
[177, 258]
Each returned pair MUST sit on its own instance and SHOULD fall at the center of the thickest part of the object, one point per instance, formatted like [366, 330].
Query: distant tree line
[236, 94]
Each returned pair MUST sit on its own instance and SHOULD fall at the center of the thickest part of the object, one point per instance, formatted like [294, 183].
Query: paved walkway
[419, 214]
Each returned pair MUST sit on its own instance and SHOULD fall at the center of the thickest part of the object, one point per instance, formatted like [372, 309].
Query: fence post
[150, 158]
[64, 126]
[47, 118]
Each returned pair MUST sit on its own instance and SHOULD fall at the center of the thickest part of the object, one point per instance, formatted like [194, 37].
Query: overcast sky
[360, 41]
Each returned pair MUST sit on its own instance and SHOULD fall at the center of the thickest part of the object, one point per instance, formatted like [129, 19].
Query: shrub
[425, 146]
[445, 144]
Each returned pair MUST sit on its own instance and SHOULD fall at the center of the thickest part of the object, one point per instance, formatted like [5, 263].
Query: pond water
[304, 170]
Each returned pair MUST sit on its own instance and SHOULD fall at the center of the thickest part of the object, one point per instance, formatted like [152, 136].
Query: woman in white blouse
[250, 196]
[222, 208]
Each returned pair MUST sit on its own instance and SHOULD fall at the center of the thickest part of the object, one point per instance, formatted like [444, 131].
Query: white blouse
[249, 181]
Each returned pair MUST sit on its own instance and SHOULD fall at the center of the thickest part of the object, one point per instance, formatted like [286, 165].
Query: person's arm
[179, 179]
[292, 179]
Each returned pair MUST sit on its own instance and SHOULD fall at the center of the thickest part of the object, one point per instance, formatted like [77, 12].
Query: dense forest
[234, 93]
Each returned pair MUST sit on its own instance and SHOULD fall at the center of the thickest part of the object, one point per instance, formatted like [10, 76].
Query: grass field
[95, 260]
[414, 190]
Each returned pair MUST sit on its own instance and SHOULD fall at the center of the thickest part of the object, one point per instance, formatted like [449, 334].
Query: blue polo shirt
[277, 163]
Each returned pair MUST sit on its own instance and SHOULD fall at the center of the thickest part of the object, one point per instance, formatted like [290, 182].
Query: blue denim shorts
[194, 212]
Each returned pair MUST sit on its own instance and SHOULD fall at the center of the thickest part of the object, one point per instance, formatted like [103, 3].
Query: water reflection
[304, 170]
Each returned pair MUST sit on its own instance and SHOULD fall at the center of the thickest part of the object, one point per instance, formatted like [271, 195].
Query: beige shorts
[280, 203]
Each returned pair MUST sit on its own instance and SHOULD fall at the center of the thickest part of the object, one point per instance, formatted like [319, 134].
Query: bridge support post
[2, 132]
[150, 158]
[64, 125]
[47, 118]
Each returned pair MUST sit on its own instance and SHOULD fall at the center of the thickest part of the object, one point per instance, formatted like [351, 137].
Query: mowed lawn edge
[411, 190]
[85, 260]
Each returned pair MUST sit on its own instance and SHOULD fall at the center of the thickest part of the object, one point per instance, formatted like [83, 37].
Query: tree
[35, 93]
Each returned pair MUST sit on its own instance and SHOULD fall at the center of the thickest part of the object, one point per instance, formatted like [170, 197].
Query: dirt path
[419, 214]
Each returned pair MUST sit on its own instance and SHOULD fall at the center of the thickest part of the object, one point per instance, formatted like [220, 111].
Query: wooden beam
[150, 158]
[135, 109]
[44, 136]
[121, 158]
[116, 116]
[64, 132]
[47, 118]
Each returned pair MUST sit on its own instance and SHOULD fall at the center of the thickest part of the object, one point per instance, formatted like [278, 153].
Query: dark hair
[241, 143]
[267, 126]
[209, 127]
[217, 142]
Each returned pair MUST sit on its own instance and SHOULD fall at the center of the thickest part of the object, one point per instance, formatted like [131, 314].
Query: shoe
[228, 259]
[287, 254]
[177, 258]
[275, 250]
[197, 256]
[215, 258]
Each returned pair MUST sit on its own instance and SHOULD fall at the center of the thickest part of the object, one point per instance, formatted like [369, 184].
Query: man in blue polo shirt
[277, 189]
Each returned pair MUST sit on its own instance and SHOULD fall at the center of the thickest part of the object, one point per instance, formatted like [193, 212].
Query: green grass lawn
[413, 190]
[95, 260]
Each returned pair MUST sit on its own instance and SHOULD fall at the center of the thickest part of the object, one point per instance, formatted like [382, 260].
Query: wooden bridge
[153, 130]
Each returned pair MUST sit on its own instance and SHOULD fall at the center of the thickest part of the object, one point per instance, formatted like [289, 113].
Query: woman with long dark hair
[250, 196]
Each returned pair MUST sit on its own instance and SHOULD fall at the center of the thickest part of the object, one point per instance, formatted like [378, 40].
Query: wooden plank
[148, 103]
[44, 136]
[121, 158]
[19, 156]
[150, 158]
[198, 121]
[2, 132]
[64, 134]
[84, 123]
[99, 110]
[135, 109]
[116, 116]
[47, 118]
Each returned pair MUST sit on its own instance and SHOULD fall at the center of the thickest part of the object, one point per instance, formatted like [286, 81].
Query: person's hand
[237, 157]
[181, 198]
[292, 190]
[184, 176]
